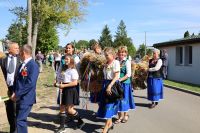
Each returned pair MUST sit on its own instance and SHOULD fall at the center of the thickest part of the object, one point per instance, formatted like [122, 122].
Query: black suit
[10, 105]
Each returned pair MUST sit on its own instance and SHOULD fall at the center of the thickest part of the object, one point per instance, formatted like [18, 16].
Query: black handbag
[117, 93]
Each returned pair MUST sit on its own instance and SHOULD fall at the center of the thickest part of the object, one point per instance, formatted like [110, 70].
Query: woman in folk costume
[154, 80]
[111, 75]
[70, 96]
[127, 102]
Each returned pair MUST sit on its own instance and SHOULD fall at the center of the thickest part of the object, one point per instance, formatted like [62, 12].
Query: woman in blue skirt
[111, 75]
[127, 103]
[154, 81]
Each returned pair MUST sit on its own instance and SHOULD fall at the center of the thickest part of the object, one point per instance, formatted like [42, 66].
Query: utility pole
[145, 51]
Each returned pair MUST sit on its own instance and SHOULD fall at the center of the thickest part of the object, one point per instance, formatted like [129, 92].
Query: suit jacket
[25, 86]
[4, 64]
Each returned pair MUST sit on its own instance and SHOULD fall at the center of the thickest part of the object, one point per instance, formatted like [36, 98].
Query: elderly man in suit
[9, 66]
[25, 88]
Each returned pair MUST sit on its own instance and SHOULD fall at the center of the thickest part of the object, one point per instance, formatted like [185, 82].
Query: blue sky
[163, 20]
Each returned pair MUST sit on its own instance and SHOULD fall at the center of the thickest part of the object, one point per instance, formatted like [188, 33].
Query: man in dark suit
[9, 66]
[25, 88]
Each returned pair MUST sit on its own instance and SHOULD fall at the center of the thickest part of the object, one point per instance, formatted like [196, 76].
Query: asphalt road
[179, 112]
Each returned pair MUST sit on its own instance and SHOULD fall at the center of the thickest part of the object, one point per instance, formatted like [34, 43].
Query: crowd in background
[116, 71]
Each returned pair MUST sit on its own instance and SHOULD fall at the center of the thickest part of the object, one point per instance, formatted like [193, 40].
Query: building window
[179, 55]
[188, 55]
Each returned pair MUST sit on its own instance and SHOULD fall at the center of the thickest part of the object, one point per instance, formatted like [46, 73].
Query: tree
[29, 21]
[91, 43]
[17, 33]
[82, 44]
[105, 38]
[141, 50]
[58, 12]
[47, 38]
[121, 39]
[193, 35]
[186, 34]
[17, 30]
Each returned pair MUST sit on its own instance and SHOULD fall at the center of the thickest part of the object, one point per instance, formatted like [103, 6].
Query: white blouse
[67, 76]
[111, 70]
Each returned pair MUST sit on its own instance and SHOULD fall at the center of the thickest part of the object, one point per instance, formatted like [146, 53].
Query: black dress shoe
[152, 105]
[80, 124]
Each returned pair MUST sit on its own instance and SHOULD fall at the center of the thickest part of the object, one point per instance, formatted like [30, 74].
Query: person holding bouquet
[154, 80]
[95, 96]
[127, 102]
[70, 96]
[111, 75]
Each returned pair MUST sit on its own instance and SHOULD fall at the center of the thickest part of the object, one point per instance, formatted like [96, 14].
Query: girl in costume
[70, 96]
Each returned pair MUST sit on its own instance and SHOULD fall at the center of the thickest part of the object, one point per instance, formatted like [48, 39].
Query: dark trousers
[22, 114]
[164, 72]
[56, 65]
[11, 111]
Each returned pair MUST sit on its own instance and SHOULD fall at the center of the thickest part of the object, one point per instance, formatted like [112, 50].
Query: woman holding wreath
[154, 80]
[111, 75]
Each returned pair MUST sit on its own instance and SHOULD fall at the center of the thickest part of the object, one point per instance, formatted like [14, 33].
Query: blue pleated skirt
[127, 102]
[106, 110]
[154, 89]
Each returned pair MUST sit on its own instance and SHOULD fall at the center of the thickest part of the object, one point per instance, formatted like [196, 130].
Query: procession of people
[114, 98]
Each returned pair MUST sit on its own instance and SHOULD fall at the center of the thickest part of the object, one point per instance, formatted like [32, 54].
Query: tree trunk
[29, 29]
[34, 42]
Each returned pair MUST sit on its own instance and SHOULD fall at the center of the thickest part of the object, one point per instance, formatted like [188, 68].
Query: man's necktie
[11, 65]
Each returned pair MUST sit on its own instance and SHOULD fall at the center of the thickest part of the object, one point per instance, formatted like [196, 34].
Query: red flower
[24, 72]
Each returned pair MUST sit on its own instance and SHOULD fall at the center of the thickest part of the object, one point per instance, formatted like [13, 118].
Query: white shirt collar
[125, 58]
[10, 55]
[27, 60]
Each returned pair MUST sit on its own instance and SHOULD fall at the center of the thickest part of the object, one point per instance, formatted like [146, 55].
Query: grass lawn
[45, 91]
[185, 86]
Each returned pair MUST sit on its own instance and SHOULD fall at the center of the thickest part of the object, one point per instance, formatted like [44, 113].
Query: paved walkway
[178, 113]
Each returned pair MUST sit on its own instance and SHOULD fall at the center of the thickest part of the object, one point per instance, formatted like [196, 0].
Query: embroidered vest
[155, 74]
[123, 72]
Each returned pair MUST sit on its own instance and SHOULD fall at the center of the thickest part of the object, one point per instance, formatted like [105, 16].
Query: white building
[184, 59]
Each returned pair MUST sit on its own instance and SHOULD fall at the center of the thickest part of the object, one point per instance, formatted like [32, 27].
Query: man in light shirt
[9, 66]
